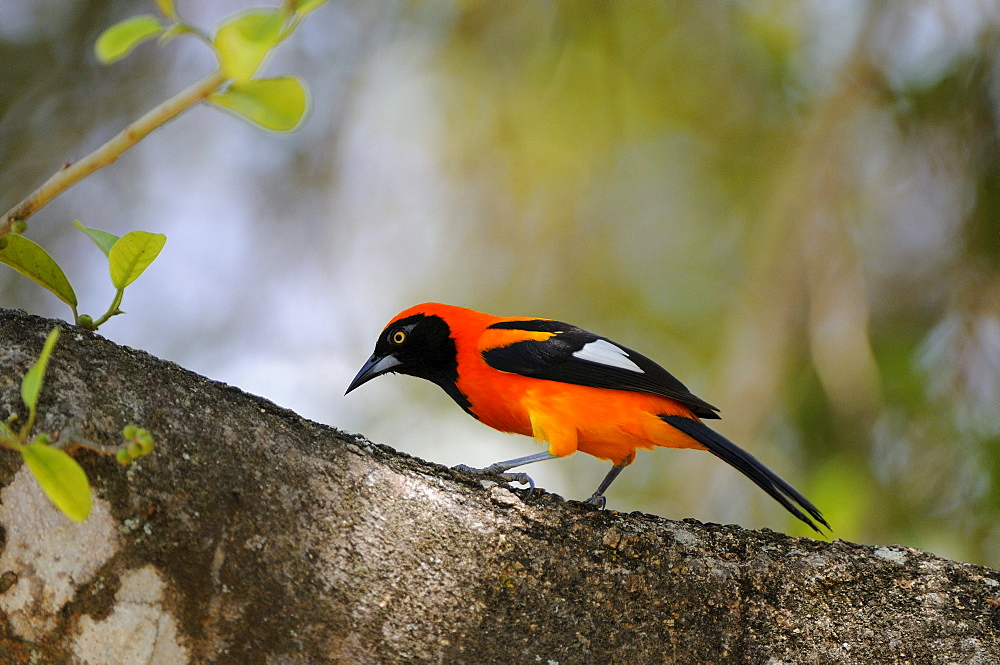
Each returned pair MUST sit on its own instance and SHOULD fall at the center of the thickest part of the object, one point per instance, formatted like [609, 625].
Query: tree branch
[67, 176]
[251, 535]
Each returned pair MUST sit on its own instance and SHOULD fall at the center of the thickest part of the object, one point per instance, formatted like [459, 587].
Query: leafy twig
[67, 176]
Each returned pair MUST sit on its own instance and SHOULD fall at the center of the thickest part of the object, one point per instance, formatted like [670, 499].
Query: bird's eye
[398, 337]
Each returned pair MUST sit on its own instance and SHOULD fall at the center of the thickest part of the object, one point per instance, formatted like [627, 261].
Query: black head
[419, 345]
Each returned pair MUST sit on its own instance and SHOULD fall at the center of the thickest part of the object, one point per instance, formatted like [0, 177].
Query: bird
[566, 387]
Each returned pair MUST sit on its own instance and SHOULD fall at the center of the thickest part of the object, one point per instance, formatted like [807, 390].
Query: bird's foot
[522, 478]
[495, 470]
[598, 500]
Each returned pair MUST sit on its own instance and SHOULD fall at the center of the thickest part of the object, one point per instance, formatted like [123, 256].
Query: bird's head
[418, 343]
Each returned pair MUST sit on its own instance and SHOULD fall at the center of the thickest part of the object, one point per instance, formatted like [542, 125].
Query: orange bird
[564, 386]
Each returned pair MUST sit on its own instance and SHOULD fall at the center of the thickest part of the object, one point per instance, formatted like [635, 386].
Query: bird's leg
[597, 498]
[501, 468]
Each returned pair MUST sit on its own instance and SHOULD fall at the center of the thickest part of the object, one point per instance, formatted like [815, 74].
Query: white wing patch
[603, 352]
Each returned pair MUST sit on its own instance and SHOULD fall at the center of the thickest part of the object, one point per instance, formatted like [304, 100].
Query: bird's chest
[497, 399]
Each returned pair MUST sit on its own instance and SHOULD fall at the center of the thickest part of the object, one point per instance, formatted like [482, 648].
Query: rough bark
[252, 535]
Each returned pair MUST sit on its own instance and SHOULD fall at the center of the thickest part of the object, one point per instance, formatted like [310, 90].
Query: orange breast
[608, 424]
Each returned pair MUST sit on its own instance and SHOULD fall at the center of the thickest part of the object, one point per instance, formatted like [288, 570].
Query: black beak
[376, 366]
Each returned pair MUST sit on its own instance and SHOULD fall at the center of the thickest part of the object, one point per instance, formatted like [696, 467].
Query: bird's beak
[376, 366]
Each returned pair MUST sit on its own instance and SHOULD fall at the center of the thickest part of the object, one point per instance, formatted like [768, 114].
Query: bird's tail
[750, 467]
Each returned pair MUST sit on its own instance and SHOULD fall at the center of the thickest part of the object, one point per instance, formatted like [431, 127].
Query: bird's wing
[573, 355]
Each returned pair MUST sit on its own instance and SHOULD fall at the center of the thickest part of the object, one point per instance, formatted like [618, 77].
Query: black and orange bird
[564, 386]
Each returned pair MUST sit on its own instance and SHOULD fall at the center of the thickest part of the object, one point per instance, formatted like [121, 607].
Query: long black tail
[750, 467]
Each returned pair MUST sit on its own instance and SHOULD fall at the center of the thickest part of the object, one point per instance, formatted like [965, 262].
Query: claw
[492, 470]
[521, 478]
[598, 500]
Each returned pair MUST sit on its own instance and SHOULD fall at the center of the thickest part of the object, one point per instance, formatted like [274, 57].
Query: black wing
[573, 355]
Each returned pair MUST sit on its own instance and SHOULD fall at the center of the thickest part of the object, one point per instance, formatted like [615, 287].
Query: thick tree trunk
[252, 535]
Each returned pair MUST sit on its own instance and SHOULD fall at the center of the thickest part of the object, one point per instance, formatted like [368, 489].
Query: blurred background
[792, 206]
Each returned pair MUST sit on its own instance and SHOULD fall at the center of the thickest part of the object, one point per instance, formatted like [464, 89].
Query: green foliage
[132, 254]
[29, 259]
[58, 474]
[138, 442]
[303, 7]
[102, 239]
[120, 39]
[278, 104]
[166, 8]
[243, 42]
[31, 384]
[128, 257]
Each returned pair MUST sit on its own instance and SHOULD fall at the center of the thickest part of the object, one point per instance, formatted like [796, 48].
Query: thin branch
[67, 176]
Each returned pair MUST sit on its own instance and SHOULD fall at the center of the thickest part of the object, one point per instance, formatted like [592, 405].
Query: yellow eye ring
[398, 337]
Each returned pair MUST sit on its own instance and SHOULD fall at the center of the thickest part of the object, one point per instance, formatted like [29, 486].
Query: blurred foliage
[793, 206]
[782, 227]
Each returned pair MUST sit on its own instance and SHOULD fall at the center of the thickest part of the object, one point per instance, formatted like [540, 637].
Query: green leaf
[102, 239]
[33, 262]
[118, 41]
[278, 104]
[166, 8]
[305, 6]
[31, 384]
[60, 477]
[244, 42]
[132, 254]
